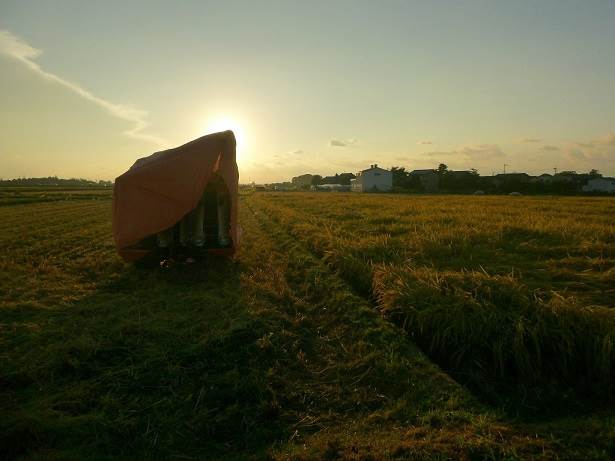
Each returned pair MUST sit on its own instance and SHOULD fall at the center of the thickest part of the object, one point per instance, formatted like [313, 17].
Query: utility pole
[505, 165]
[554, 171]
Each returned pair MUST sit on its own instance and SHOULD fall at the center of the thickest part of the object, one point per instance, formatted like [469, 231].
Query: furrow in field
[490, 329]
[357, 365]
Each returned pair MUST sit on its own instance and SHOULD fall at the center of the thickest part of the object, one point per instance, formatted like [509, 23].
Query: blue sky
[324, 87]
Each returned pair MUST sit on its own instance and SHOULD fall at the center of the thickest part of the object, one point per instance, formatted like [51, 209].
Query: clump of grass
[493, 329]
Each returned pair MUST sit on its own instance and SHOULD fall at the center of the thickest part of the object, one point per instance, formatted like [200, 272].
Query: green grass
[306, 346]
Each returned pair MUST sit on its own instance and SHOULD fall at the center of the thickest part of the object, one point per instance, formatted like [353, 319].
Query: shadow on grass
[534, 356]
[155, 364]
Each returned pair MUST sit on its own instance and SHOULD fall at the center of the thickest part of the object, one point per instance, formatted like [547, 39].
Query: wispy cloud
[471, 152]
[608, 140]
[531, 140]
[297, 152]
[15, 48]
[547, 148]
[424, 142]
[576, 154]
[601, 149]
[482, 151]
[605, 141]
[441, 153]
[340, 143]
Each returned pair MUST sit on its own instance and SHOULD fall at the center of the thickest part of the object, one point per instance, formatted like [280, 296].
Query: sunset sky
[86, 88]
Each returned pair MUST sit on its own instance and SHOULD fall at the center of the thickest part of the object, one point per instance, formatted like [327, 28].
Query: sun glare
[226, 123]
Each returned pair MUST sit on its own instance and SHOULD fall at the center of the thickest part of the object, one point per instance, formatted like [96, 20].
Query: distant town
[398, 179]
[443, 180]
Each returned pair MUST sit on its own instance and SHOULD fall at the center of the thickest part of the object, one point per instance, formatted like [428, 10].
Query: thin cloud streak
[340, 143]
[601, 149]
[472, 152]
[15, 48]
[548, 148]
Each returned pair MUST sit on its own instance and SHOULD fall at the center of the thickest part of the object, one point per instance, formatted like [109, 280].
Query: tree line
[54, 181]
[444, 180]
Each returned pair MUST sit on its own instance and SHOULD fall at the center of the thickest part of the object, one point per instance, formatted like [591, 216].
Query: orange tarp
[159, 190]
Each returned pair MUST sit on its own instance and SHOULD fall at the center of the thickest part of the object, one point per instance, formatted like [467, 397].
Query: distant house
[372, 179]
[422, 172]
[566, 177]
[303, 180]
[343, 179]
[600, 185]
[544, 178]
[461, 174]
[428, 179]
[517, 177]
[283, 186]
[503, 179]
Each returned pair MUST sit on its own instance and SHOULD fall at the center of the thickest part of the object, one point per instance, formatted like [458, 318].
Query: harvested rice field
[350, 326]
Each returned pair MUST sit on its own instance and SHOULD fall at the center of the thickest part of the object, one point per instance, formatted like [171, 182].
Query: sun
[223, 123]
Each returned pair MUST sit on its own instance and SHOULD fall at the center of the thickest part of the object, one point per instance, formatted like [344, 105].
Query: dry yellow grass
[284, 354]
[506, 292]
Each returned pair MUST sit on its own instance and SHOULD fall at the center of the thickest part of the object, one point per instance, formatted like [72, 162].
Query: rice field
[513, 295]
[359, 327]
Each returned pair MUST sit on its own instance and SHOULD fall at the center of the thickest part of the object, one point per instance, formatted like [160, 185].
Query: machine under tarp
[159, 190]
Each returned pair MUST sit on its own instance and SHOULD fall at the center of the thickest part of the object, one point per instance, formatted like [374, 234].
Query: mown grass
[24, 195]
[103, 360]
[272, 356]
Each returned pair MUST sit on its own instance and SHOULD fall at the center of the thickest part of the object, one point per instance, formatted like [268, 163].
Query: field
[360, 327]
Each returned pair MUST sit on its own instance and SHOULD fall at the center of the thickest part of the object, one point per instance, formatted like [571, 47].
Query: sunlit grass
[510, 292]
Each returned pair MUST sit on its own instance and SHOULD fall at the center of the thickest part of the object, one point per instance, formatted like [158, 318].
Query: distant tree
[344, 178]
[594, 173]
[54, 181]
[401, 179]
[442, 169]
[316, 180]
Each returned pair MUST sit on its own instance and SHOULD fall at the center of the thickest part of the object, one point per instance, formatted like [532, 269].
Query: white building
[600, 185]
[372, 179]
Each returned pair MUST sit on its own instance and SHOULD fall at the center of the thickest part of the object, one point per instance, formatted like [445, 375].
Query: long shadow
[155, 364]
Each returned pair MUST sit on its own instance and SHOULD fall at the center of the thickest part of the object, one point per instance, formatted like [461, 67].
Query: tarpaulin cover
[159, 190]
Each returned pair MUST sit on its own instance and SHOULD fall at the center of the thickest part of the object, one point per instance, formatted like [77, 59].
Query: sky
[322, 87]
